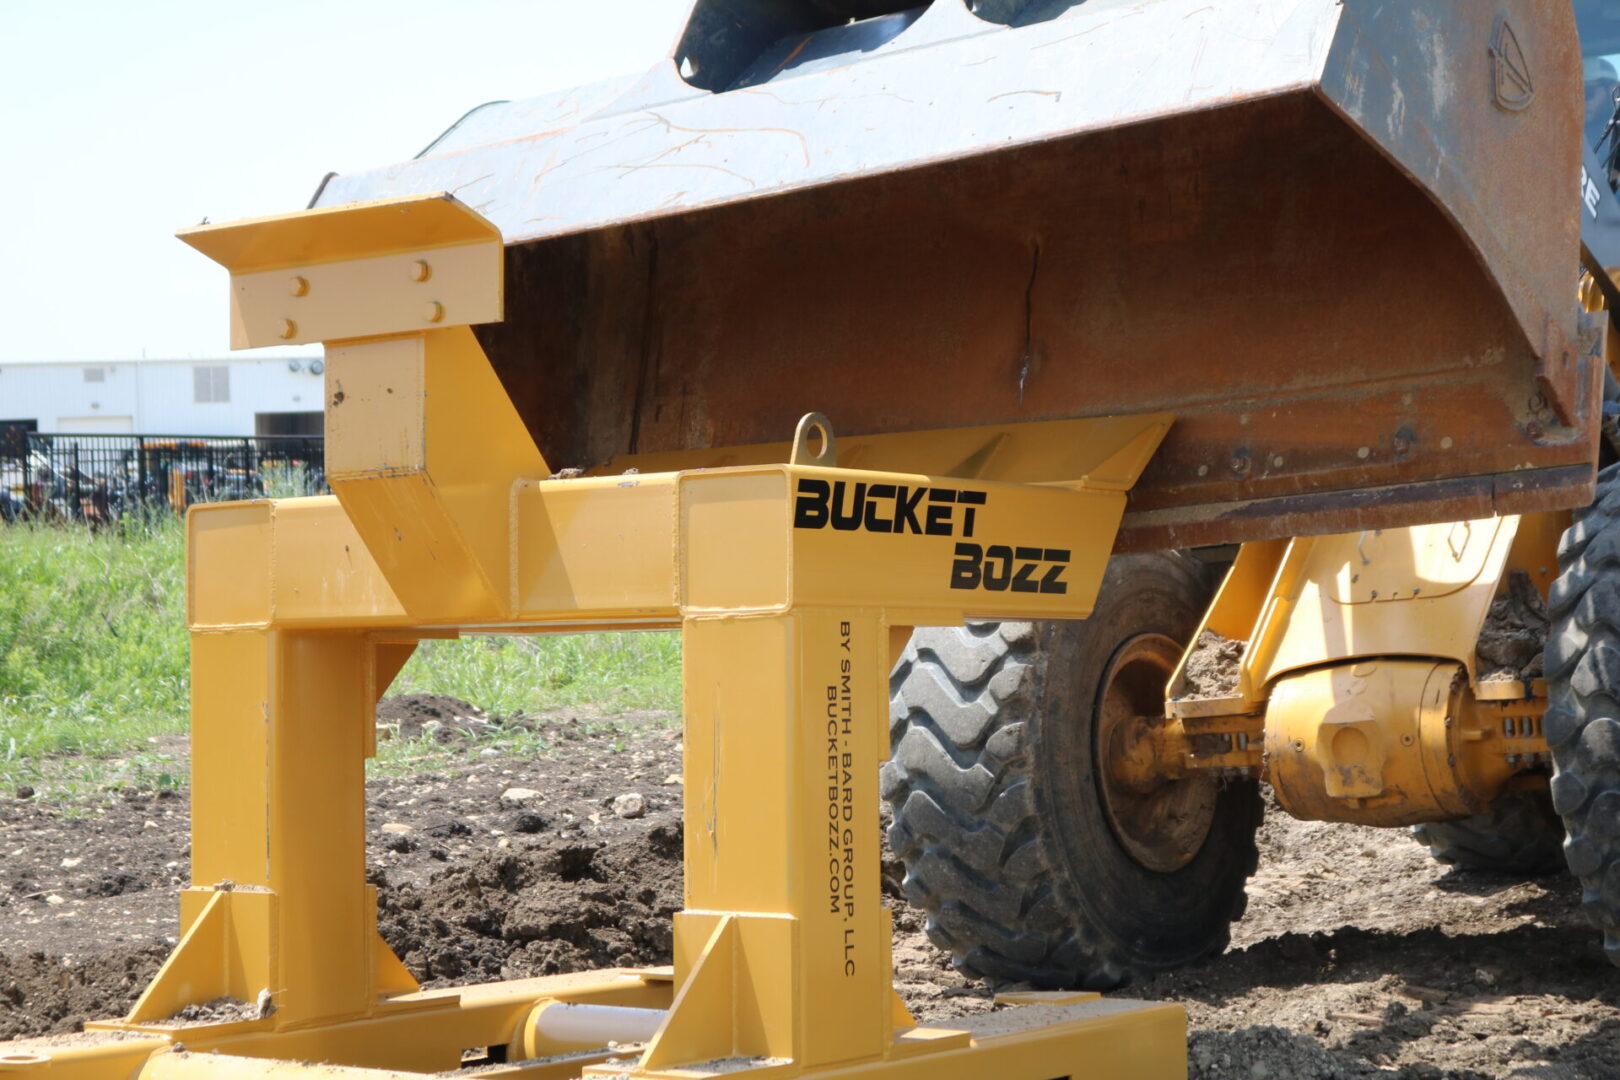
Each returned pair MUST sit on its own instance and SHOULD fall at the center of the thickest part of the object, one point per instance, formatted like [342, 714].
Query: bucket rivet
[433, 311]
[420, 270]
[298, 286]
[1364, 453]
[288, 328]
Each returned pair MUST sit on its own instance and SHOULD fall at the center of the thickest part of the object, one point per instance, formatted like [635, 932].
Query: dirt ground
[1359, 956]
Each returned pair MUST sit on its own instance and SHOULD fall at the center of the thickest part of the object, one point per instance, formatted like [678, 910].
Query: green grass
[93, 664]
[608, 681]
[92, 641]
[504, 675]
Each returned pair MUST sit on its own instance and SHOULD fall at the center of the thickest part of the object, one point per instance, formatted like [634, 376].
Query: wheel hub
[1160, 821]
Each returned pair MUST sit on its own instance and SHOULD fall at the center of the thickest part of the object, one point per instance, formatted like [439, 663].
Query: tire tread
[1520, 834]
[978, 859]
[1583, 674]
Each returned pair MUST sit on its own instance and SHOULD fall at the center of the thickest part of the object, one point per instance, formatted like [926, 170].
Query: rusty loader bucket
[1335, 239]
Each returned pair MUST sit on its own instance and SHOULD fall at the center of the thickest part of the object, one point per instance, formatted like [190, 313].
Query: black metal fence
[100, 478]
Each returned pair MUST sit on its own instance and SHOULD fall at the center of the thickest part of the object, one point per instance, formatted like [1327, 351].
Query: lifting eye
[813, 442]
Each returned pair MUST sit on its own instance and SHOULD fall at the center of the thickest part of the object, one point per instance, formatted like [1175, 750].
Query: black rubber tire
[1582, 724]
[998, 817]
[1520, 834]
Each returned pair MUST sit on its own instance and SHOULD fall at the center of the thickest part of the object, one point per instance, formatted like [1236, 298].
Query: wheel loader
[1074, 809]
[1086, 330]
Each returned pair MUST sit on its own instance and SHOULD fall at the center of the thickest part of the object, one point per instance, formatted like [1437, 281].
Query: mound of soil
[557, 906]
[1512, 643]
[1264, 1052]
[1212, 666]
[444, 718]
[42, 994]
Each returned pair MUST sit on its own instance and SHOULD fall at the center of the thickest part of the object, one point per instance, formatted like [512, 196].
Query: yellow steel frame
[1358, 694]
[1322, 599]
[793, 580]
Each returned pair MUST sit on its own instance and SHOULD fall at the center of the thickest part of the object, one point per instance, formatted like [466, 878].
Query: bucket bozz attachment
[794, 584]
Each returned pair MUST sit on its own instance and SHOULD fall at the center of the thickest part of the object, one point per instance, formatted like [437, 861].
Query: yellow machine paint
[794, 579]
[1358, 696]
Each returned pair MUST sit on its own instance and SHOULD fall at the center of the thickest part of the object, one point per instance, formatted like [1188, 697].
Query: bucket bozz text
[851, 506]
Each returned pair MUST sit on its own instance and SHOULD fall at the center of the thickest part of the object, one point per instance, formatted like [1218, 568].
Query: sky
[122, 122]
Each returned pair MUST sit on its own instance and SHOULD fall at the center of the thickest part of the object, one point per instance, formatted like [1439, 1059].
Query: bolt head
[433, 311]
[297, 286]
[289, 329]
[420, 270]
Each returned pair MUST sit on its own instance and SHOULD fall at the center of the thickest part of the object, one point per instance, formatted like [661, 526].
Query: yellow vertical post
[281, 727]
[784, 718]
[321, 712]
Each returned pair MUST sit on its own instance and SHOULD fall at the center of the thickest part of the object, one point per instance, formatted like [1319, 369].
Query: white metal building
[259, 396]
